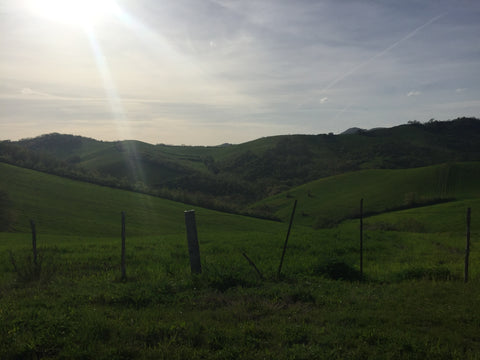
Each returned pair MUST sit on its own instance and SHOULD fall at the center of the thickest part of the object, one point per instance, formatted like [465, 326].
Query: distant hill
[235, 176]
[326, 202]
[352, 130]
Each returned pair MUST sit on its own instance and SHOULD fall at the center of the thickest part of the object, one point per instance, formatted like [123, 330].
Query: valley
[409, 301]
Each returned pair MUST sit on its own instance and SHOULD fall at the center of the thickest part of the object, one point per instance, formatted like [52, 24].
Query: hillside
[325, 202]
[410, 302]
[236, 176]
[68, 207]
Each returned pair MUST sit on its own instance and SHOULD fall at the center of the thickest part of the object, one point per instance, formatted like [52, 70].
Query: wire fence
[375, 255]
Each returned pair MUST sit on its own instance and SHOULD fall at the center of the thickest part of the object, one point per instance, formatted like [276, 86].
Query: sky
[207, 72]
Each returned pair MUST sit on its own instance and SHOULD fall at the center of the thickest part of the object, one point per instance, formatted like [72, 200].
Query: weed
[29, 270]
[418, 273]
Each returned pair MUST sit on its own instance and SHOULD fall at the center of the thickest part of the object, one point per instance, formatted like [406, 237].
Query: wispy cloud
[297, 66]
[414, 93]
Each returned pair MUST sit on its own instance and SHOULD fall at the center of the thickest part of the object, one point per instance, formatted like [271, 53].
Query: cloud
[226, 62]
[26, 91]
[413, 93]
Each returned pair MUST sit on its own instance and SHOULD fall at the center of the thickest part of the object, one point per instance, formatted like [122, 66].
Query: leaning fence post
[192, 239]
[253, 265]
[34, 243]
[286, 240]
[467, 248]
[124, 272]
[361, 238]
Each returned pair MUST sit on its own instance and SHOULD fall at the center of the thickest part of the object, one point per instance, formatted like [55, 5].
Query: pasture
[411, 303]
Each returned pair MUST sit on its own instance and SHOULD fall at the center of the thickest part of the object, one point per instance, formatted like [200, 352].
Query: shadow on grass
[337, 270]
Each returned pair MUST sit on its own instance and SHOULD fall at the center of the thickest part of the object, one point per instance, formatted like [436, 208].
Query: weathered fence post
[361, 238]
[253, 265]
[467, 248]
[34, 243]
[286, 240]
[192, 239]
[124, 272]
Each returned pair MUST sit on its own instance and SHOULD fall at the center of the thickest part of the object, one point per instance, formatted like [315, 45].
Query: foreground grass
[78, 308]
[96, 317]
[99, 318]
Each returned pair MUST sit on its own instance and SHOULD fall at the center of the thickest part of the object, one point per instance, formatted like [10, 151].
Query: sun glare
[76, 12]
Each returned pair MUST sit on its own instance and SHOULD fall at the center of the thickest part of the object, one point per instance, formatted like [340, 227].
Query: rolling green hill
[412, 302]
[63, 206]
[327, 201]
[236, 176]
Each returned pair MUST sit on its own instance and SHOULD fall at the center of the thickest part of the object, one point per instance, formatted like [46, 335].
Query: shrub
[27, 270]
[337, 270]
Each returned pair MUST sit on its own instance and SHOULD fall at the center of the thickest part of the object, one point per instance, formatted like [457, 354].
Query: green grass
[62, 206]
[412, 303]
[83, 311]
[325, 202]
[233, 177]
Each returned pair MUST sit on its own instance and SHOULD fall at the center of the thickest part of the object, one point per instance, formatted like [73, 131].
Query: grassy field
[326, 202]
[412, 302]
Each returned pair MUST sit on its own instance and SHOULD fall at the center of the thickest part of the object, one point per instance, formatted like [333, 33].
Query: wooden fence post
[124, 272]
[286, 240]
[467, 248]
[253, 265]
[192, 240]
[361, 238]
[34, 243]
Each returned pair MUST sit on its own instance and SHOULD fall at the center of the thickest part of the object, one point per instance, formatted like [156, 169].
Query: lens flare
[86, 14]
[132, 157]
[75, 12]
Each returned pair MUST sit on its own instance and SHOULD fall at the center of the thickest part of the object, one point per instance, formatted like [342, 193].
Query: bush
[28, 270]
[337, 270]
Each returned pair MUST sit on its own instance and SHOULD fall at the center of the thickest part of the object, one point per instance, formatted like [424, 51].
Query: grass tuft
[419, 273]
[27, 270]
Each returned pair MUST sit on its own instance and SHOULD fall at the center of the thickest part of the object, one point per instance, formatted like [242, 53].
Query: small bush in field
[27, 270]
[337, 270]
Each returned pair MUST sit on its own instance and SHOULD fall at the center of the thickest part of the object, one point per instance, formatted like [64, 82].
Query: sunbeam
[132, 156]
